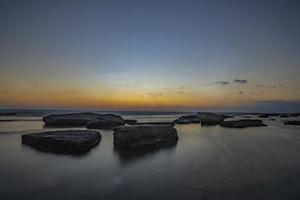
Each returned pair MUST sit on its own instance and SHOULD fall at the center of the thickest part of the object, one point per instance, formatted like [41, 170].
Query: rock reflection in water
[132, 154]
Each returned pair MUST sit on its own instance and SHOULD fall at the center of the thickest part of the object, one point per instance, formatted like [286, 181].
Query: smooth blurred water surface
[207, 163]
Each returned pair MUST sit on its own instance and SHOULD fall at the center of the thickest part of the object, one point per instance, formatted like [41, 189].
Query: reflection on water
[206, 163]
[131, 154]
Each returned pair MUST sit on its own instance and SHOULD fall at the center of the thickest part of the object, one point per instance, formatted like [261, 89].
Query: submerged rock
[80, 119]
[130, 121]
[63, 141]
[242, 123]
[129, 137]
[294, 122]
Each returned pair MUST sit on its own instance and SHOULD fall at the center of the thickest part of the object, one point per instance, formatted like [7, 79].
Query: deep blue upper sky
[144, 53]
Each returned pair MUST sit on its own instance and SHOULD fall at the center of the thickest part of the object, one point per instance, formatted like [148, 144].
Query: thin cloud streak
[241, 81]
[222, 82]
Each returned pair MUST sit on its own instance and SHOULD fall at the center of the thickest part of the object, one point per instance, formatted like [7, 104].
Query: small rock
[242, 123]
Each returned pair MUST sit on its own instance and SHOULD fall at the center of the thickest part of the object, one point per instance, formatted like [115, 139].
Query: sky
[151, 55]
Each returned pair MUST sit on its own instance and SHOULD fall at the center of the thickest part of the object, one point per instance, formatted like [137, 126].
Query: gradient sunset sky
[151, 55]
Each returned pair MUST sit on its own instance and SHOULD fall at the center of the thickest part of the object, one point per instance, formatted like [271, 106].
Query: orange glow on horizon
[119, 99]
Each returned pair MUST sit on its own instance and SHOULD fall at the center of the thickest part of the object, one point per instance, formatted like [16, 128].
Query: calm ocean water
[207, 163]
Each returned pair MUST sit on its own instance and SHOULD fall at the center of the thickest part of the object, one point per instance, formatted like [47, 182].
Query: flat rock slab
[295, 122]
[63, 141]
[242, 123]
[81, 119]
[130, 137]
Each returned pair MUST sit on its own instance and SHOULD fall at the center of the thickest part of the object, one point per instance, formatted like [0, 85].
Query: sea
[207, 163]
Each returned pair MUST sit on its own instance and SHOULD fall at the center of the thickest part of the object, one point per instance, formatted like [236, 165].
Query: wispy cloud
[270, 86]
[174, 90]
[155, 94]
[241, 81]
[69, 91]
[222, 82]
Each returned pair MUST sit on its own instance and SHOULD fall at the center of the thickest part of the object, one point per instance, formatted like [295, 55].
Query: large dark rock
[242, 123]
[63, 141]
[294, 122]
[144, 135]
[80, 119]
